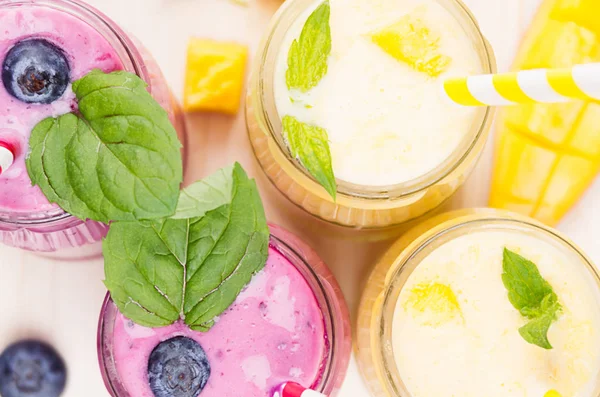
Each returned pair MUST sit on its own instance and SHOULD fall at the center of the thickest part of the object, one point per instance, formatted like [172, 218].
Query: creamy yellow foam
[480, 352]
[388, 120]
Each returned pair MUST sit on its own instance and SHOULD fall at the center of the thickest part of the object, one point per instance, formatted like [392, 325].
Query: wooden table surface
[60, 301]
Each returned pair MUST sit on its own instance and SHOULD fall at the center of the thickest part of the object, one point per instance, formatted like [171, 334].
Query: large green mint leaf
[532, 295]
[192, 269]
[310, 145]
[119, 159]
[205, 195]
[48, 171]
[308, 55]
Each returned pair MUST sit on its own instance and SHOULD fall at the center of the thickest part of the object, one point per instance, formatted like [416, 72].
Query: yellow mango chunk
[552, 393]
[520, 174]
[214, 76]
[411, 41]
[549, 154]
[551, 123]
[562, 44]
[583, 12]
[434, 303]
[586, 138]
[570, 178]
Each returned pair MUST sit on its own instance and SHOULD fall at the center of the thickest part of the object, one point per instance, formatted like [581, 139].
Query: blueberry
[31, 369]
[36, 71]
[178, 367]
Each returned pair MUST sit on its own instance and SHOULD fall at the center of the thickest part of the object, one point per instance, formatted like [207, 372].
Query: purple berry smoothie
[85, 49]
[289, 324]
[274, 332]
[87, 40]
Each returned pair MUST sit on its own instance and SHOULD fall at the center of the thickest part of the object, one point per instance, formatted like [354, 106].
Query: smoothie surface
[85, 48]
[387, 119]
[454, 323]
[273, 333]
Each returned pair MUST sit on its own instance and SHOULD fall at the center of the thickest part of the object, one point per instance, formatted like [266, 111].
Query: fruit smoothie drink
[289, 324]
[397, 147]
[445, 299]
[45, 45]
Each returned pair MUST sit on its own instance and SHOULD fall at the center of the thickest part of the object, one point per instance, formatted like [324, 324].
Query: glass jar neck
[269, 118]
[129, 56]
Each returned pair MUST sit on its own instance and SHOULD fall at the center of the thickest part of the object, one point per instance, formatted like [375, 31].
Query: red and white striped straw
[291, 389]
[7, 156]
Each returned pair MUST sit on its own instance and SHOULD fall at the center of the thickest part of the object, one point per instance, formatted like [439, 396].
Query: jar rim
[332, 364]
[269, 117]
[132, 62]
[410, 258]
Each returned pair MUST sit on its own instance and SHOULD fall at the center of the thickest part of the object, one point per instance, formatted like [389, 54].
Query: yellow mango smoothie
[486, 303]
[346, 113]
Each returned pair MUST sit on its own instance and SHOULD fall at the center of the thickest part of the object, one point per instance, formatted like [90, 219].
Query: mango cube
[521, 173]
[433, 304]
[550, 123]
[583, 12]
[571, 177]
[586, 136]
[411, 41]
[215, 76]
[561, 45]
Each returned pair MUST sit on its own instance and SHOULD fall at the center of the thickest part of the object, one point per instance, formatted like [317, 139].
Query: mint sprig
[532, 295]
[310, 145]
[307, 64]
[307, 58]
[117, 159]
[169, 255]
[193, 268]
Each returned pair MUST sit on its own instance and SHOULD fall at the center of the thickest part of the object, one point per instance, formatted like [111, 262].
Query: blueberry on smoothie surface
[178, 367]
[36, 71]
[31, 369]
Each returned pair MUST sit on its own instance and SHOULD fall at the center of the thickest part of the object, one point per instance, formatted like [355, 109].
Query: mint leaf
[310, 145]
[533, 296]
[192, 269]
[119, 159]
[521, 277]
[536, 331]
[205, 195]
[307, 58]
[52, 136]
[549, 304]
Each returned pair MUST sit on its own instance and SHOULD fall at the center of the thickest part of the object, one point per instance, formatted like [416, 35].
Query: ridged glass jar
[327, 293]
[55, 233]
[361, 207]
[373, 344]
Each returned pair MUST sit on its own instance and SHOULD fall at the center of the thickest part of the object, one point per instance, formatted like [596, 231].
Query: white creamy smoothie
[381, 102]
[455, 332]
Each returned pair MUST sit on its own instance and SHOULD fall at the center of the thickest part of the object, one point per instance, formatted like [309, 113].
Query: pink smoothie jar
[89, 40]
[290, 323]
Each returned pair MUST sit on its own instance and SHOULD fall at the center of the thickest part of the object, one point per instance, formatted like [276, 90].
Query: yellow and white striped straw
[528, 86]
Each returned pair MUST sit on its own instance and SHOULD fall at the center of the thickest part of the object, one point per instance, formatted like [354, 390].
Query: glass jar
[55, 233]
[374, 347]
[328, 295]
[363, 207]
